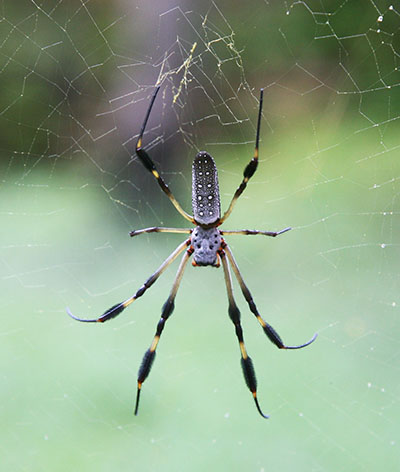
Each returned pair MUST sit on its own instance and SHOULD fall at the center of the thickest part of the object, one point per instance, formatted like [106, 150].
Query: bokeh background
[75, 80]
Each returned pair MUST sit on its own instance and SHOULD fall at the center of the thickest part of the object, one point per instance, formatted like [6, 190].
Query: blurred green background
[76, 78]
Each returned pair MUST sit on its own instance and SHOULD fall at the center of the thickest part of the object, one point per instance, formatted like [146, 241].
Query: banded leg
[157, 229]
[245, 232]
[268, 329]
[251, 166]
[115, 310]
[167, 309]
[234, 314]
[149, 164]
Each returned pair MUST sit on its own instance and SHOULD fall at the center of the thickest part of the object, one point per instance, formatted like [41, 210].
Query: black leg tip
[83, 320]
[303, 345]
[137, 399]
[258, 407]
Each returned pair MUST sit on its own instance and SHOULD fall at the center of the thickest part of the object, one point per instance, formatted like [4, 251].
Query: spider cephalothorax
[207, 245]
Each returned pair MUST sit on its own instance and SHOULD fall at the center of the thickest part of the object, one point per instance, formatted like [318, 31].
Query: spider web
[76, 79]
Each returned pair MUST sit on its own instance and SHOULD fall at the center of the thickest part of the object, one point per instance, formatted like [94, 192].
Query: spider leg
[167, 310]
[115, 310]
[246, 232]
[251, 166]
[149, 164]
[234, 314]
[157, 229]
[268, 329]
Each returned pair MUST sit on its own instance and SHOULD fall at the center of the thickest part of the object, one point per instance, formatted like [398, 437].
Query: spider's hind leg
[251, 167]
[149, 164]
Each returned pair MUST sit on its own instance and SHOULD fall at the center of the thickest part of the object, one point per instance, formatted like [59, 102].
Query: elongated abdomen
[205, 190]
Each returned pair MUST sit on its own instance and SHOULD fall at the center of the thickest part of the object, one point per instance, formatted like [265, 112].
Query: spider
[208, 247]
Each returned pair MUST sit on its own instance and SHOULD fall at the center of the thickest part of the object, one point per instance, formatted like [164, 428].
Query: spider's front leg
[268, 329]
[167, 310]
[234, 314]
[117, 309]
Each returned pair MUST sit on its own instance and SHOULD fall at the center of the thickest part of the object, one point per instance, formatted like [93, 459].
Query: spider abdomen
[206, 243]
[205, 191]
